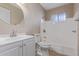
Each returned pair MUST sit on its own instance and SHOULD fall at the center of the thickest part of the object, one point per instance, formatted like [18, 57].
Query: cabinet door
[10, 52]
[29, 47]
[13, 49]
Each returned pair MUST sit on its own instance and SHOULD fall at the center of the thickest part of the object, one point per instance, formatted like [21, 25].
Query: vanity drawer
[29, 47]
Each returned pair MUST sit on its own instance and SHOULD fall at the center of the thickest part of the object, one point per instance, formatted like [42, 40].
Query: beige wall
[31, 23]
[69, 9]
[33, 14]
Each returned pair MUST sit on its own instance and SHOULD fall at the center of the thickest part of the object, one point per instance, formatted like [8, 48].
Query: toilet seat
[43, 48]
[45, 45]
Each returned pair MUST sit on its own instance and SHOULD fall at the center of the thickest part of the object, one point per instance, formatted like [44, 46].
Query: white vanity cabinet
[29, 47]
[12, 49]
[24, 47]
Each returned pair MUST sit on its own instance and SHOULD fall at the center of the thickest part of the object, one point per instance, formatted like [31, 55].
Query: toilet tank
[37, 37]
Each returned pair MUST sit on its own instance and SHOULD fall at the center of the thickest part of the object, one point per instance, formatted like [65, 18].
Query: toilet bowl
[43, 47]
[37, 38]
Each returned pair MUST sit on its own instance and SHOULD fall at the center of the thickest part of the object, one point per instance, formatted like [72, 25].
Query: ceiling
[48, 6]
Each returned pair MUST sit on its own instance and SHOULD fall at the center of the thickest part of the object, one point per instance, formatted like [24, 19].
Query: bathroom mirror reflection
[9, 13]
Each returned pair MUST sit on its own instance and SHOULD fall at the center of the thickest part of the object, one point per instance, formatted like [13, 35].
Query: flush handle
[74, 31]
[24, 44]
[77, 20]
[44, 30]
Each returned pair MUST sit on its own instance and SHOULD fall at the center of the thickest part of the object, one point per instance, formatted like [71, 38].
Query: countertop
[6, 40]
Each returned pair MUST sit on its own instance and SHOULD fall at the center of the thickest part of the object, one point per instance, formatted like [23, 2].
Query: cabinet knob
[20, 46]
[45, 37]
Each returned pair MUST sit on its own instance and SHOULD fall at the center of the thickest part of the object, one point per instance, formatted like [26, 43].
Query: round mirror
[11, 13]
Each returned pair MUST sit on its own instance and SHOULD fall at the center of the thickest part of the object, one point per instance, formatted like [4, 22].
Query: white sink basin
[7, 39]
[3, 37]
[21, 37]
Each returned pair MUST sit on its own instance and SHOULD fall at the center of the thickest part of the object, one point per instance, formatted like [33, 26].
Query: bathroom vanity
[21, 45]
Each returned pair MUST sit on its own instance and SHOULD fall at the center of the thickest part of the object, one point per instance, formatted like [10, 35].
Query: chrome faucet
[13, 33]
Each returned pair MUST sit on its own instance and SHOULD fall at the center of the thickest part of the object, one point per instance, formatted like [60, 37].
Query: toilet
[42, 47]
